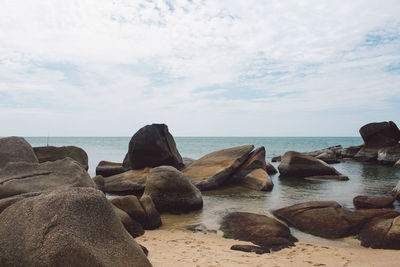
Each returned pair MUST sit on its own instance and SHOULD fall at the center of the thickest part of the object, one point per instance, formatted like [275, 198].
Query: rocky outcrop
[365, 202]
[131, 205]
[380, 134]
[22, 177]
[381, 233]
[108, 168]
[153, 217]
[214, 169]
[329, 155]
[72, 227]
[153, 146]
[52, 153]
[171, 191]
[129, 182]
[366, 154]
[16, 149]
[389, 155]
[133, 227]
[261, 230]
[276, 159]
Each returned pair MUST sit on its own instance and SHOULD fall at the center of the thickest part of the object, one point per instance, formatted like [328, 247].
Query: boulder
[397, 164]
[250, 248]
[256, 160]
[16, 149]
[129, 182]
[396, 191]
[350, 152]
[380, 134]
[71, 227]
[367, 154]
[153, 146]
[214, 169]
[171, 191]
[389, 155]
[131, 205]
[261, 230]
[107, 168]
[134, 228]
[298, 165]
[270, 168]
[153, 217]
[258, 180]
[22, 177]
[52, 153]
[365, 202]
[383, 233]
[328, 219]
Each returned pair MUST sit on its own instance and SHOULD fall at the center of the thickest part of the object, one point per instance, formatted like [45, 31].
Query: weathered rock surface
[153, 146]
[107, 168]
[131, 205]
[276, 159]
[389, 155]
[261, 230]
[350, 152]
[214, 169]
[171, 191]
[366, 154]
[22, 177]
[153, 217]
[133, 227]
[258, 180]
[129, 182]
[187, 161]
[73, 227]
[52, 153]
[298, 165]
[365, 202]
[328, 155]
[16, 149]
[396, 191]
[381, 233]
[380, 134]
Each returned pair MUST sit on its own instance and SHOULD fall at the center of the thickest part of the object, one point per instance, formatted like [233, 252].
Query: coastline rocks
[214, 169]
[258, 180]
[16, 149]
[389, 155]
[74, 227]
[153, 217]
[153, 146]
[131, 205]
[350, 152]
[397, 164]
[134, 228]
[380, 134]
[396, 191]
[261, 230]
[22, 177]
[276, 159]
[298, 165]
[328, 155]
[108, 168]
[52, 153]
[364, 202]
[171, 191]
[366, 154]
[381, 233]
[270, 168]
[129, 182]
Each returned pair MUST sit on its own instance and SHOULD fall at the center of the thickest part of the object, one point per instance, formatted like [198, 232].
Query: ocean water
[365, 179]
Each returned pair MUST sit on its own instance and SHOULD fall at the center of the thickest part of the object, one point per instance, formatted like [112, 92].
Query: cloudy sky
[210, 67]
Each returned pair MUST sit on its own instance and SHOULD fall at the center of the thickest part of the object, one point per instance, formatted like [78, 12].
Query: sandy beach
[177, 247]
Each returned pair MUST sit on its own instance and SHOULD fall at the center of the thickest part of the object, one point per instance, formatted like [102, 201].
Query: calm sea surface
[364, 179]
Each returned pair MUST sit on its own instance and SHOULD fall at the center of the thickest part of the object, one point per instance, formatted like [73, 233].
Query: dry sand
[178, 247]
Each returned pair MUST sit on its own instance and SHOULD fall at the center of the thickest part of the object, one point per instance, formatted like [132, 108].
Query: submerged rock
[52, 153]
[380, 134]
[364, 202]
[381, 233]
[16, 149]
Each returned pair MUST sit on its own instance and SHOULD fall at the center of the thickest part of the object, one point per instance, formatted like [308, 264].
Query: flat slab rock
[365, 202]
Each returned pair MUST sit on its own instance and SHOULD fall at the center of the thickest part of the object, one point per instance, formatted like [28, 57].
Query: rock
[187, 161]
[200, 228]
[397, 164]
[328, 157]
[261, 230]
[214, 169]
[107, 168]
[258, 180]
[364, 202]
[276, 159]
[126, 162]
[52, 153]
[129, 182]
[383, 233]
[72, 227]
[99, 181]
[153, 146]
[131, 205]
[350, 152]
[153, 217]
[380, 134]
[15, 149]
[270, 168]
[389, 155]
[171, 191]
[250, 248]
[366, 154]
[327, 178]
[328, 219]
[134, 228]
[22, 177]
[396, 191]
[298, 165]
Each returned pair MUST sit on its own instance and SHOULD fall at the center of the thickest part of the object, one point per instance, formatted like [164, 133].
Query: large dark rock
[365, 202]
[107, 168]
[171, 191]
[153, 216]
[381, 233]
[153, 146]
[380, 134]
[214, 169]
[328, 218]
[21, 177]
[72, 227]
[16, 149]
[131, 205]
[259, 229]
[129, 182]
[299, 165]
[52, 153]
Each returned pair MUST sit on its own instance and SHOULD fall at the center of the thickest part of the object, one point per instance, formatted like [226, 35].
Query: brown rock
[350, 152]
[133, 227]
[107, 168]
[258, 180]
[397, 164]
[364, 202]
[381, 233]
[16, 149]
[153, 217]
[250, 248]
[396, 191]
[132, 206]
[52, 153]
[367, 154]
[389, 155]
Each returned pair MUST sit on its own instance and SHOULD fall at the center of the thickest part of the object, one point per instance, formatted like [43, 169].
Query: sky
[205, 68]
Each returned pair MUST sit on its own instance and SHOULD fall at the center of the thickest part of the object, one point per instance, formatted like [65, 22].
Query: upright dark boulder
[153, 146]
[380, 134]
[16, 149]
[52, 153]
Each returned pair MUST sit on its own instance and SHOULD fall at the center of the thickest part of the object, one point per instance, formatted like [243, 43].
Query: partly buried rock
[389, 155]
[214, 169]
[130, 182]
[133, 227]
[153, 217]
[171, 191]
[108, 168]
[364, 202]
[153, 146]
[52, 153]
[380, 134]
[298, 165]
[21, 177]
[381, 233]
[328, 218]
[16, 149]
[396, 191]
[131, 205]
[250, 248]
[261, 230]
[72, 227]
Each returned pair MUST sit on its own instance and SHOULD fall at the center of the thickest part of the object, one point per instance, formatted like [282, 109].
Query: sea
[364, 179]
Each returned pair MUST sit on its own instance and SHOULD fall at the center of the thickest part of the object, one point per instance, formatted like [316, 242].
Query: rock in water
[214, 169]
[171, 191]
[22, 177]
[381, 233]
[16, 149]
[380, 134]
[153, 146]
[52, 153]
[364, 202]
[258, 180]
[72, 227]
